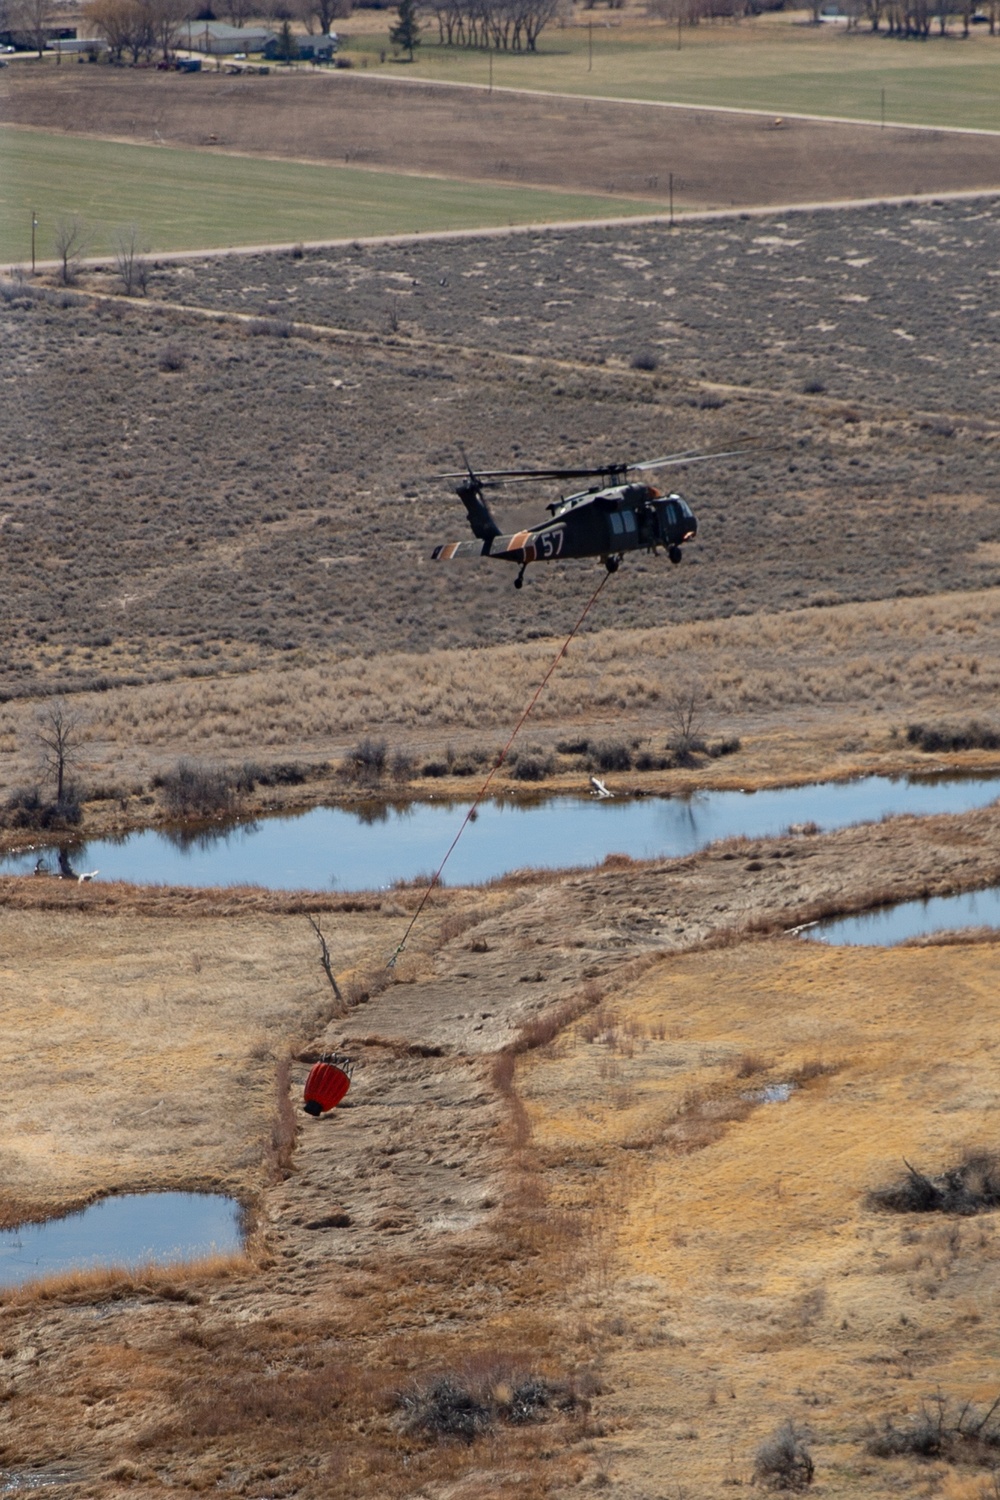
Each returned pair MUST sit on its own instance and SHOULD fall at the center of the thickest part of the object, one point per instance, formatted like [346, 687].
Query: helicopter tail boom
[448, 550]
[518, 548]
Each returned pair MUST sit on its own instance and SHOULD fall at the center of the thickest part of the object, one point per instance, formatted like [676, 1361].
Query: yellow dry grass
[737, 1277]
[836, 671]
[141, 1054]
[118, 1281]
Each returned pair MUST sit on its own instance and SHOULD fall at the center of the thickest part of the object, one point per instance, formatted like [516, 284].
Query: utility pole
[883, 108]
[590, 46]
[34, 226]
[671, 200]
[491, 69]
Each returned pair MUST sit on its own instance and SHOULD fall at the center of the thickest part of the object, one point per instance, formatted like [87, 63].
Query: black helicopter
[607, 520]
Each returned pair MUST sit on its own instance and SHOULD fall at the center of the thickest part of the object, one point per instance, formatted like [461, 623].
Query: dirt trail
[418, 1154]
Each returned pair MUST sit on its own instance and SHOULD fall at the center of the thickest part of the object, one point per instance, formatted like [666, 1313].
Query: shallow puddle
[910, 919]
[337, 849]
[17, 1481]
[133, 1230]
[774, 1093]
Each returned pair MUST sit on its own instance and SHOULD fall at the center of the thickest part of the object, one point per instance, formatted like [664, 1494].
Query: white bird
[600, 790]
[87, 875]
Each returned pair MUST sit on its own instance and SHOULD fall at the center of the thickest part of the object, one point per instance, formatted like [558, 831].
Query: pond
[132, 1230]
[332, 848]
[909, 919]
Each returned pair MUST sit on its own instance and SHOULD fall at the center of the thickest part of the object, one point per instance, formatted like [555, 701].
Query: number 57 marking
[552, 542]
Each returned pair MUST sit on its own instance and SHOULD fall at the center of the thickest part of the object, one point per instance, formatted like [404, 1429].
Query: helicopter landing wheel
[675, 554]
[519, 580]
[612, 564]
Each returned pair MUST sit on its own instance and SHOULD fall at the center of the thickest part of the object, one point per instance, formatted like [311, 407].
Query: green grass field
[204, 200]
[773, 64]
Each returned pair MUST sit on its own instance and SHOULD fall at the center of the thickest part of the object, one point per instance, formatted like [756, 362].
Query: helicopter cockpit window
[628, 520]
[616, 523]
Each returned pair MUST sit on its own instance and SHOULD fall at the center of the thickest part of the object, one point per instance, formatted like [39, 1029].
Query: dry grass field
[743, 1282]
[717, 160]
[238, 458]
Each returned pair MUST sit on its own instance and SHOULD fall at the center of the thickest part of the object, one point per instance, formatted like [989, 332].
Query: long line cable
[496, 766]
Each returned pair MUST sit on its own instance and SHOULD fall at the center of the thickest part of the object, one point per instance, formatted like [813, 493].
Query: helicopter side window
[628, 520]
[673, 513]
[616, 523]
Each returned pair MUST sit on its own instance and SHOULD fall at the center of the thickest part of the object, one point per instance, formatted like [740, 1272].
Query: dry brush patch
[858, 672]
[231, 562]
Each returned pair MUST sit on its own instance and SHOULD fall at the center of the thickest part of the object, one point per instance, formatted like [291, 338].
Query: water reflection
[373, 846]
[135, 1229]
[204, 837]
[910, 919]
[59, 861]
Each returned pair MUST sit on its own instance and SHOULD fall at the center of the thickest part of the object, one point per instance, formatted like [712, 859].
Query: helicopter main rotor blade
[492, 477]
[524, 476]
[693, 457]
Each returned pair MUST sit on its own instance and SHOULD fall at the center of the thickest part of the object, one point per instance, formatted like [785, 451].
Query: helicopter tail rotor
[470, 492]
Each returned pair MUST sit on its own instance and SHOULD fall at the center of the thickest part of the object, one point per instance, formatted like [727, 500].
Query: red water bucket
[326, 1085]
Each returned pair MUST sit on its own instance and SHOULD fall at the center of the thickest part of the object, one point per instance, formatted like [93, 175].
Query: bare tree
[143, 37]
[31, 19]
[239, 12]
[60, 731]
[137, 27]
[130, 260]
[325, 959]
[686, 706]
[70, 244]
[165, 23]
[114, 20]
[323, 13]
[500, 25]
